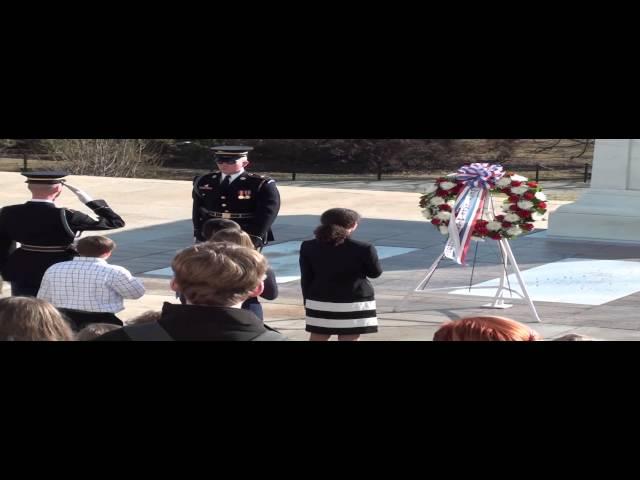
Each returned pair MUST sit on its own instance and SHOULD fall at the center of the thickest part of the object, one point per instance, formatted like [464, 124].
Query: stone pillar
[609, 211]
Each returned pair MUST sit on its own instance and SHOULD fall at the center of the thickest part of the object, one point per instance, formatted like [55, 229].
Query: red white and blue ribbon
[480, 175]
[478, 179]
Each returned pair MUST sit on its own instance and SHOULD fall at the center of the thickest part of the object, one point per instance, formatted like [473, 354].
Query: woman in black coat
[338, 297]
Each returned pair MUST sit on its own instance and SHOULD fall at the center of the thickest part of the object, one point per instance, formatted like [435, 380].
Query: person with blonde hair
[32, 319]
[215, 279]
[485, 329]
[94, 330]
[150, 316]
[239, 237]
[232, 235]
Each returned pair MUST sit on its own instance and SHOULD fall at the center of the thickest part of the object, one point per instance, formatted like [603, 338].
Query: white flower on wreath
[431, 188]
[514, 231]
[541, 196]
[451, 203]
[519, 178]
[512, 217]
[525, 204]
[503, 182]
[426, 213]
[444, 229]
[520, 190]
[436, 201]
[494, 226]
[447, 185]
[537, 216]
[444, 215]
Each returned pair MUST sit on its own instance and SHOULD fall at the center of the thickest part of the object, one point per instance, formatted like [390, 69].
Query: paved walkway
[158, 224]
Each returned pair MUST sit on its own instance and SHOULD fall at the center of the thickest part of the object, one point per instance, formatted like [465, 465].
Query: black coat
[338, 273]
[44, 224]
[249, 194]
[203, 323]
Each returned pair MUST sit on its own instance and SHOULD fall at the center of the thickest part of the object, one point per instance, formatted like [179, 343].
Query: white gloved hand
[83, 196]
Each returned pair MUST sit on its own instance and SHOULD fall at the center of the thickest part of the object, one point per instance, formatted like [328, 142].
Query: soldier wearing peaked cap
[251, 200]
[45, 233]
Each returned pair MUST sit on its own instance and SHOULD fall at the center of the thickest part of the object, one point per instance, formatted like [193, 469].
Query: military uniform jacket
[251, 200]
[46, 234]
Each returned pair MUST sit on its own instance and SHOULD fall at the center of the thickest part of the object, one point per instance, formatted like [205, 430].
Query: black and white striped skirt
[341, 318]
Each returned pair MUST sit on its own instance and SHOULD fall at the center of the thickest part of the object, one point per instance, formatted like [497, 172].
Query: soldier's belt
[45, 248]
[229, 215]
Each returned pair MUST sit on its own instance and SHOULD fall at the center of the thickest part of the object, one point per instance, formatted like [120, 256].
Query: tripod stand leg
[498, 299]
[512, 258]
[432, 269]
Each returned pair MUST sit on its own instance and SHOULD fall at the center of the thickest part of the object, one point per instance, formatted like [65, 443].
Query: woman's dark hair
[335, 224]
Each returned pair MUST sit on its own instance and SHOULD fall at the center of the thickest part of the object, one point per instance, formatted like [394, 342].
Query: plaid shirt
[89, 284]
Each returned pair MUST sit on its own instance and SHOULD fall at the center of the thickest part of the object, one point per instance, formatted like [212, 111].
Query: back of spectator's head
[218, 274]
[335, 225]
[31, 319]
[150, 316]
[95, 246]
[231, 235]
[214, 225]
[573, 337]
[94, 330]
[485, 329]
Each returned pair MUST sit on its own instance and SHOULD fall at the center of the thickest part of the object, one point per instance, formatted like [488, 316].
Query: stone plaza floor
[578, 287]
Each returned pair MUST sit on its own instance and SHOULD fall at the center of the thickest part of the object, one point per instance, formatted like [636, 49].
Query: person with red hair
[485, 329]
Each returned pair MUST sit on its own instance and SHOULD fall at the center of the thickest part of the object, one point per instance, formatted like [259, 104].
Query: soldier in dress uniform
[45, 232]
[251, 200]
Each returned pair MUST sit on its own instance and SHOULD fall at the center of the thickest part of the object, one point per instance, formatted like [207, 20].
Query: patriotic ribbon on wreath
[478, 179]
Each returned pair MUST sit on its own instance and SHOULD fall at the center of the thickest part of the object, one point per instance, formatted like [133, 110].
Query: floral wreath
[525, 200]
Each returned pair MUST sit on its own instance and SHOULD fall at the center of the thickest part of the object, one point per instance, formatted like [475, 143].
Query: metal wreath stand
[508, 262]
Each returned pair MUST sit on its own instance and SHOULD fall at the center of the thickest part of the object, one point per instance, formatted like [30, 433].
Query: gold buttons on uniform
[223, 198]
[224, 204]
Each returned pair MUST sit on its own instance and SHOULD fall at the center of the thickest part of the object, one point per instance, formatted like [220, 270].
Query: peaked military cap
[224, 153]
[49, 177]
